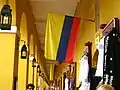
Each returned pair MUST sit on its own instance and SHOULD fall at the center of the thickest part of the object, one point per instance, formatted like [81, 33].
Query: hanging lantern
[6, 17]
[40, 73]
[38, 68]
[34, 62]
[24, 52]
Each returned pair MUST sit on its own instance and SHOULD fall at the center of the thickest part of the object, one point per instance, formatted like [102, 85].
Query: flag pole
[44, 21]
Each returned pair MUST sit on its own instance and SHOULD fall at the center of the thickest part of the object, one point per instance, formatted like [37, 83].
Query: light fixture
[31, 57]
[38, 68]
[34, 62]
[40, 73]
[24, 51]
[6, 17]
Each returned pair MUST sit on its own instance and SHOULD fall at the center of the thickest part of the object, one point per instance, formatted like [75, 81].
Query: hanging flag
[60, 38]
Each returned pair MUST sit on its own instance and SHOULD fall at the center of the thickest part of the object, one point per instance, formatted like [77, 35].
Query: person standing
[30, 87]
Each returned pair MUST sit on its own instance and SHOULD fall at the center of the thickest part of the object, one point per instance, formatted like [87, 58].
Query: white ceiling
[41, 8]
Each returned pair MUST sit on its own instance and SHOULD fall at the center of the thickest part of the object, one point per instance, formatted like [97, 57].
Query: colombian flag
[60, 38]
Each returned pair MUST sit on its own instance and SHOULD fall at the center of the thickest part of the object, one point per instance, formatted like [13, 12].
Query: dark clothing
[94, 80]
[111, 66]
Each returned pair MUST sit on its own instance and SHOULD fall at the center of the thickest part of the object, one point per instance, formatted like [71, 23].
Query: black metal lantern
[38, 68]
[6, 17]
[34, 62]
[40, 73]
[24, 52]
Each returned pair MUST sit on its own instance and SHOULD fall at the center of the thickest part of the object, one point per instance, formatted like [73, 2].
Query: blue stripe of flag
[63, 45]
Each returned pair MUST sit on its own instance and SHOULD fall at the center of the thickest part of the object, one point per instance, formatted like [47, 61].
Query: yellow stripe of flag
[53, 32]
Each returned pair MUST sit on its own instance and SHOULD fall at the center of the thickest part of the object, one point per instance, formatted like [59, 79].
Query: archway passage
[22, 66]
[31, 54]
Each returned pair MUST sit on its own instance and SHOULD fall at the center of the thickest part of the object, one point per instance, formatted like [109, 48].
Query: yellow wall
[22, 67]
[86, 10]
[30, 72]
[8, 54]
[6, 60]
[108, 10]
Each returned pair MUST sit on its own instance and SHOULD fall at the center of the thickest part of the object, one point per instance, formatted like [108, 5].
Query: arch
[23, 64]
[31, 45]
[23, 28]
[31, 53]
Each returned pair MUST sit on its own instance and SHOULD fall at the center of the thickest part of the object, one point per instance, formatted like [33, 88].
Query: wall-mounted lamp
[34, 62]
[6, 17]
[24, 51]
[31, 57]
[40, 73]
[38, 68]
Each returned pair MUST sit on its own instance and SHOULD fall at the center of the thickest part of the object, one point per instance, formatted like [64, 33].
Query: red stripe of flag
[72, 41]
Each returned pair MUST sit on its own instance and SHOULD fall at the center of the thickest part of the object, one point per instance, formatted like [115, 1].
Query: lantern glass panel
[6, 20]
